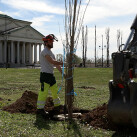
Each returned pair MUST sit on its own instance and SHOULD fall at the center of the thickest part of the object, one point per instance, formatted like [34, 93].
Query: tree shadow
[74, 126]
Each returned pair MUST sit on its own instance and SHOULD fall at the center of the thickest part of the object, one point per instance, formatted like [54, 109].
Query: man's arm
[52, 61]
[59, 68]
[56, 63]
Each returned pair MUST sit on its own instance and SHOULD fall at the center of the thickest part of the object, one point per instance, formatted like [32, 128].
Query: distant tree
[84, 45]
[77, 59]
[119, 39]
[88, 61]
[107, 38]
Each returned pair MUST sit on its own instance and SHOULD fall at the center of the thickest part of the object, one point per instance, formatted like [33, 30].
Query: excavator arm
[122, 104]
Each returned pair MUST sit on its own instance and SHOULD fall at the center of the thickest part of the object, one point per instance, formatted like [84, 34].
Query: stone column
[35, 53]
[39, 51]
[9, 55]
[12, 52]
[1, 54]
[23, 53]
[30, 54]
[18, 53]
[5, 51]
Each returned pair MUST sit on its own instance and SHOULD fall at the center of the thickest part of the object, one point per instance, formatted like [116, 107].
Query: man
[47, 79]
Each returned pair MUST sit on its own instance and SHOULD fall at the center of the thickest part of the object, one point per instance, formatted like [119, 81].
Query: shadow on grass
[74, 126]
[125, 134]
[42, 123]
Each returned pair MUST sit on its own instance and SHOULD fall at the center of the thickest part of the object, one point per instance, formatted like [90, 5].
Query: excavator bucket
[122, 105]
[119, 106]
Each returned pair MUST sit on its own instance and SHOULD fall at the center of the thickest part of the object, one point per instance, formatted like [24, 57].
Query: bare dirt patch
[85, 87]
[25, 104]
[97, 118]
[5, 89]
[1, 99]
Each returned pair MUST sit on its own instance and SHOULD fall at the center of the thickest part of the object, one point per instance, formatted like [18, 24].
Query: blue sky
[47, 16]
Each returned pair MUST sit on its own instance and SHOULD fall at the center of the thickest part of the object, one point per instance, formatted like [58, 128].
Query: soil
[85, 87]
[96, 118]
[25, 104]
[1, 99]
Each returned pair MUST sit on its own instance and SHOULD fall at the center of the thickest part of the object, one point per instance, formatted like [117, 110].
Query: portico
[20, 44]
[19, 52]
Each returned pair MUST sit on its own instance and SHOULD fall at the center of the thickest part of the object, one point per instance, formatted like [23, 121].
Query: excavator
[122, 104]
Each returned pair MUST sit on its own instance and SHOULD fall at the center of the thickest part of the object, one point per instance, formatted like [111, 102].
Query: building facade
[20, 43]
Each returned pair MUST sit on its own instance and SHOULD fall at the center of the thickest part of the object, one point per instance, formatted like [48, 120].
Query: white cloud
[13, 14]
[2, 13]
[34, 5]
[101, 9]
[39, 21]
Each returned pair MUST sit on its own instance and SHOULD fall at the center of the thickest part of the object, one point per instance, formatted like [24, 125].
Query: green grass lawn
[13, 82]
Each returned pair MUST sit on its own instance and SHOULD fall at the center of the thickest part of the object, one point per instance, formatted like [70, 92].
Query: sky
[47, 16]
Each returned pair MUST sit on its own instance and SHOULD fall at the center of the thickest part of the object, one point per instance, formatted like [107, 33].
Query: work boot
[56, 110]
[42, 113]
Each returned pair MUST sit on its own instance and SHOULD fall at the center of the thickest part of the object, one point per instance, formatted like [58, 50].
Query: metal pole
[95, 48]
[102, 51]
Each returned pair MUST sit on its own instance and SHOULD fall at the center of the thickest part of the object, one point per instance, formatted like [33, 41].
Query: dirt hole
[96, 118]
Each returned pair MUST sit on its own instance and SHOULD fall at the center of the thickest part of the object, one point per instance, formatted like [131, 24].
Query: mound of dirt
[96, 118]
[28, 104]
[25, 104]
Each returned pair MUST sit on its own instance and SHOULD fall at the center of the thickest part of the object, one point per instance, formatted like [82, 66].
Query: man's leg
[42, 96]
[54, 91]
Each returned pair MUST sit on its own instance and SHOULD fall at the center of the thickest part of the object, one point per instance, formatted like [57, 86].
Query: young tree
[73, 24]
[84, 45]
[118, 38]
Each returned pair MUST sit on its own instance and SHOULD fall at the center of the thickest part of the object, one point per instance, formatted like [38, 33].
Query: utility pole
[102, 51]
[95, 48]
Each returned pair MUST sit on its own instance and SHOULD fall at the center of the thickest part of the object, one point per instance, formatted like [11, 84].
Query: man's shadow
[42, 123]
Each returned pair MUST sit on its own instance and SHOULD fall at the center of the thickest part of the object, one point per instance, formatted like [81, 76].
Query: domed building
[20, 43]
